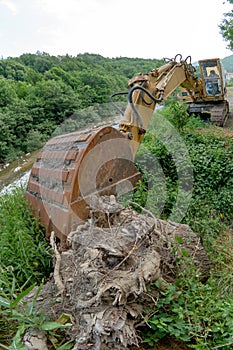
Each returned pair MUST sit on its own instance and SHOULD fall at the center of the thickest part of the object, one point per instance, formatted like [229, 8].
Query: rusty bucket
[71, 168]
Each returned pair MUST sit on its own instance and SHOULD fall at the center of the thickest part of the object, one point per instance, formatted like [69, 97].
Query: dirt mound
[101, 280]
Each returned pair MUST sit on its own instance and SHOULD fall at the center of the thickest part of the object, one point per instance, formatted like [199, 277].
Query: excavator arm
[146, 90]
[71, 168]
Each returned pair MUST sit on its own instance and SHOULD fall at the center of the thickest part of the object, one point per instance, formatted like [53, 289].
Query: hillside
[190, 313]
[227, 63]
[39, 91]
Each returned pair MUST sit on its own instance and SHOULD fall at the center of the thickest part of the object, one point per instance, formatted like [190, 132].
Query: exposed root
[57, 256]
[104, 275]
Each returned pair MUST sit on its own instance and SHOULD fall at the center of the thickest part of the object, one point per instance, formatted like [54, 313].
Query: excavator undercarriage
[217, 113]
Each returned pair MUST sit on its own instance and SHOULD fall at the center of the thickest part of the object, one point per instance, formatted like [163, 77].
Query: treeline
[227, 63]
[39, 91]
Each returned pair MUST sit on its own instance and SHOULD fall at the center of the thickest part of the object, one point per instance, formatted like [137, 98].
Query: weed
[25, 315]
[200, 314]
[25, 255]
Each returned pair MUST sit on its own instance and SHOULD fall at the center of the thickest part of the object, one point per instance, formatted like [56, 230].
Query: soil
[167, 343]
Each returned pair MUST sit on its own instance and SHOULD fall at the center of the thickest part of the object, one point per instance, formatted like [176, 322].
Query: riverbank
[15, 170]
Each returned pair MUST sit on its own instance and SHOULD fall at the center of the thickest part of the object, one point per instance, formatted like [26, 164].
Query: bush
[35, 140]
[200, 314]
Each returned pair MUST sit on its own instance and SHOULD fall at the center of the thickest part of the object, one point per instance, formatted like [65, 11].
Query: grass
[25, 257]
[200, 314]
[25, 253]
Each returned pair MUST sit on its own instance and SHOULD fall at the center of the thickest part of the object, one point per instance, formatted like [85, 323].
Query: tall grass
[25, 258]
[200, 314]
[25, 254]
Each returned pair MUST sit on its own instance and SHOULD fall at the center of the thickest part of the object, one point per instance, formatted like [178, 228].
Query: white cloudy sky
[113, 28]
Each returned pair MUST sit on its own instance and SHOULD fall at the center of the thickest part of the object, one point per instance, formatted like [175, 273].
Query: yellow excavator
[73, 167]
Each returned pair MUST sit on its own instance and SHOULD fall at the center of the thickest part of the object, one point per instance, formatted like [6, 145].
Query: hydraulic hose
[113, 103]
[130, 99]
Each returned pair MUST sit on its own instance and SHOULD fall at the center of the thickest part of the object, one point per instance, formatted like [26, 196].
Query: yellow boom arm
[146, 90]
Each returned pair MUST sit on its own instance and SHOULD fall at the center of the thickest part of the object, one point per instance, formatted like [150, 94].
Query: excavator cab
[213, 78]
[208, 100]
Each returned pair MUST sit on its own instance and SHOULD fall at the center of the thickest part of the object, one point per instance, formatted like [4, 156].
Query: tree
[226, 27]
[52, 100]
[6, 138]
[34, 140]
[7, 92]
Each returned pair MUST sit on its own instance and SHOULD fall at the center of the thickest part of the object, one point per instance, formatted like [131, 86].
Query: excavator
[73, 167]
[210, 102]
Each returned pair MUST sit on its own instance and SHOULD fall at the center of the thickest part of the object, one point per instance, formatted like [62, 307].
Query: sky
[114, 28]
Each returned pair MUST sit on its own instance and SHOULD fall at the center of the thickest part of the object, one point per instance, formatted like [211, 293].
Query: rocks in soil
[111, 260]
[35, 340]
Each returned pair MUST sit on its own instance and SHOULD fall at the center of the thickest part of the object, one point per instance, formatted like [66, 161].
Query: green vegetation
[200, 314]
[38, 92]
[25, 258]
[18, 310]
[24, 255]
[227, 27]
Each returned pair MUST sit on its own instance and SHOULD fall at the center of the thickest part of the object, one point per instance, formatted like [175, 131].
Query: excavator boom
[71, 168]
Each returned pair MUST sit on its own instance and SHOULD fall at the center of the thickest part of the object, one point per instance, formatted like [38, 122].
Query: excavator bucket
[73, 167]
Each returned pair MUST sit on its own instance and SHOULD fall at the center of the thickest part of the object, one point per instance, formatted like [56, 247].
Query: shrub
[200, 314]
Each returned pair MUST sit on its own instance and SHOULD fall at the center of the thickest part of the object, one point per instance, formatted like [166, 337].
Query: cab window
[211, 76]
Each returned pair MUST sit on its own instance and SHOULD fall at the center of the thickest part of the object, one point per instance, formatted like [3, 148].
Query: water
[21, 182]
[16, 173]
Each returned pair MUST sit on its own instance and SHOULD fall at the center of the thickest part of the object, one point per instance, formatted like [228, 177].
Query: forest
[38, 92]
